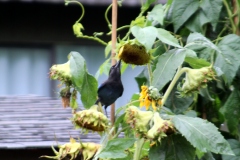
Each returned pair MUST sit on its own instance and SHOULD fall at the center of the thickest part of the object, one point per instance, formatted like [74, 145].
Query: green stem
[129, 32]
[123, 107]
[180, 71]
[94, 38]
[120, 131]
[217, 40]
[220, 34]
[149, 73]
[83, 10]
[126, 36]
[106, 17]
[139, 146]
[230, 15]
[120, 28]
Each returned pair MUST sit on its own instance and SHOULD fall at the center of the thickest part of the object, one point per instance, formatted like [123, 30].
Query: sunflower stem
[139, 146]
[230, 15]
[180, 71]
[80, 4]
[149, 73]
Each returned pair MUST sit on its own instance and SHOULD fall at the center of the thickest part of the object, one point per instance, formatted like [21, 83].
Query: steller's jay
[112, 88]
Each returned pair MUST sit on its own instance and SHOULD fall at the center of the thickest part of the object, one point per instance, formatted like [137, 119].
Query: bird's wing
[106, 89]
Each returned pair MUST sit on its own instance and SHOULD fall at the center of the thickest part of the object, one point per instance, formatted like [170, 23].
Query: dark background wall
[52, 22]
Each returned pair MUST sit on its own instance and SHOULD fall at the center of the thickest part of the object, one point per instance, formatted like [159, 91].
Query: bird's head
[115, 71]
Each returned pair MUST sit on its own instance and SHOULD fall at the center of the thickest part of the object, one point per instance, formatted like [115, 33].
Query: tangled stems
[77, 27]
[106, 18]
[83, 10]
[120, 28]
[94, 38]
[230, 15]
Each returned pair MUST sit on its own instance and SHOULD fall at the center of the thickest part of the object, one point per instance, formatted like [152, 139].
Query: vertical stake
[114, 41]
[236, 18]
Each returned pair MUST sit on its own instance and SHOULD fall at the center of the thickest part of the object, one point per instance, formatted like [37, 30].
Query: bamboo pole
[114, 41]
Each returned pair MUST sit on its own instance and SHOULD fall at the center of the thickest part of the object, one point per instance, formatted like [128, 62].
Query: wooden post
[114, 41]
[236, 18]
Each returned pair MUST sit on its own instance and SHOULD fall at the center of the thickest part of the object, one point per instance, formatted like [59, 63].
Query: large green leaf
[147, 4]
[195, 40]
[196, 22]
[231, 112]
[166, 67]
[212, 10]
[202, 134]
[182, 11]
[77, 68]
[165, 36]
[145, 36]
[196, 63]
[174, 147]
[89, 90]
[104, 68]
[229, 60]
[176, 104]
[235, 145]
[157, 14]
[205, 156]
[85, 83]
[116, 148]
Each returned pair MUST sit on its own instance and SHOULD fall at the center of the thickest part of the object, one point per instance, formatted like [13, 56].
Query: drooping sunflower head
[91, 119]
[61, 72]
[132, 52]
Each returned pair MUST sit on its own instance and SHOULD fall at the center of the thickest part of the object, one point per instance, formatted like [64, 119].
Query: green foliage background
[181, 33]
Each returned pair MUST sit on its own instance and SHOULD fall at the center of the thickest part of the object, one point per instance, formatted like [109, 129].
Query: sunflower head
[138, 120]
[91, 119]
[196, 79]
[62, 73]
[75, 150]
[132, 52]
[150, 96]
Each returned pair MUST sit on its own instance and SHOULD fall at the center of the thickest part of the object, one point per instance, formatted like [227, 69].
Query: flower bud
[65, 95]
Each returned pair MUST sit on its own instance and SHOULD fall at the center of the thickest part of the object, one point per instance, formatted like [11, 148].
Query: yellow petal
[159, 101]
[154, 105]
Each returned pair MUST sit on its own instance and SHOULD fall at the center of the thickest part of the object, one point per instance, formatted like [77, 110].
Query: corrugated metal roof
[35, 121]
[90, 2]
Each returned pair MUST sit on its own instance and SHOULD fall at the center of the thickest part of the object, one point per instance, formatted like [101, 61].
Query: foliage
[195, 59]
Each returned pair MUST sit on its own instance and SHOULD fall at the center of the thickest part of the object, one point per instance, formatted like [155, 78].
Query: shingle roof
[35, 121]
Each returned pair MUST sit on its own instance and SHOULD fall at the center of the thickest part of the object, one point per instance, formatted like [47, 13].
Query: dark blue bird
[112, 88]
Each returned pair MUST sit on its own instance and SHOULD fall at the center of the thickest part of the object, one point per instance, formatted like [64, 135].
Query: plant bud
[65, 95]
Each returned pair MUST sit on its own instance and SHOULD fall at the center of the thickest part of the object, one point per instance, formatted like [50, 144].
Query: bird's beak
[118, 65]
